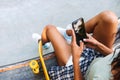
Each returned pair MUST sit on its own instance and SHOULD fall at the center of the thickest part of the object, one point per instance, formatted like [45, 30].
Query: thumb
[81, 45]
[73, 36]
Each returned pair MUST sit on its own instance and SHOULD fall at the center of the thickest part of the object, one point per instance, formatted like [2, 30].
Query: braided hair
[116, 61]
[116, 66]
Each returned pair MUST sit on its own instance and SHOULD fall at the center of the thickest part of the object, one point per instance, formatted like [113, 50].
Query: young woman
[103, 28]
[107, 68]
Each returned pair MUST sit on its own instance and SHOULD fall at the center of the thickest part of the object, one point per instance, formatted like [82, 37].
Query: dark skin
[75, 50]
[93, 43]
[98, 25]
[79, 49]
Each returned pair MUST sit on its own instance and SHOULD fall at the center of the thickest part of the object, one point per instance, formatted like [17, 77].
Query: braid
[116, 65]
[117, 36]
[116, 61]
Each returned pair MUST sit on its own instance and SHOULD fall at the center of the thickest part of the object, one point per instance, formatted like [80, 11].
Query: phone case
[79, 29]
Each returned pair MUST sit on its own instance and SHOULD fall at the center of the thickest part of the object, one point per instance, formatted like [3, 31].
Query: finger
[88, 35]
[87, 40]
[69, 32]
[81, 45]
[73, 36]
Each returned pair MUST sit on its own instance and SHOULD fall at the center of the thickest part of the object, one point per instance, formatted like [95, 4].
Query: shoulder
[99, 69]
[99, 77]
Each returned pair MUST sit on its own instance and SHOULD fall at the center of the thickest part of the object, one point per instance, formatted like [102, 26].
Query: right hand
[76, 50]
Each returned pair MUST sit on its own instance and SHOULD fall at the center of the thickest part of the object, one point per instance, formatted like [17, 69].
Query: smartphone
[79, 29]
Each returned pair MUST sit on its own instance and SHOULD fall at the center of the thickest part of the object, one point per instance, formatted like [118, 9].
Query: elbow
[109, 52]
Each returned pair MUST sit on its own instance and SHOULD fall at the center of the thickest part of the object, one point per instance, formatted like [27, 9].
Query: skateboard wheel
[34, 66]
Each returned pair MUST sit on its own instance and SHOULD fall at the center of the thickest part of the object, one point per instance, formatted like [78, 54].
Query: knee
[50, 27]
[108, 17]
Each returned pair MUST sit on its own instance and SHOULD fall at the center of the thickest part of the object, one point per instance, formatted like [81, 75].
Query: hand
[76, 50]
[91, 42]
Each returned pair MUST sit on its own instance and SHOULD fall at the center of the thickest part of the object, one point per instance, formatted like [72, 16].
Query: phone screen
[79, 29]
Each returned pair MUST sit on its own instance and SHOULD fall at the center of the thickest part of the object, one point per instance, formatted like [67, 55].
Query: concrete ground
[20, 18]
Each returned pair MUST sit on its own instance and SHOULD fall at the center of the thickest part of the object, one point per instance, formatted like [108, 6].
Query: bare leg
[104, 27]
[61, 47]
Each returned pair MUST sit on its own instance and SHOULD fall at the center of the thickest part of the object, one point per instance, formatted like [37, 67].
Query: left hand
[91, 42]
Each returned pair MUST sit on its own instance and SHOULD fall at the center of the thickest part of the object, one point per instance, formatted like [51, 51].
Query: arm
[93, 43]
[76, 53]
[77, 71]
[103, 49]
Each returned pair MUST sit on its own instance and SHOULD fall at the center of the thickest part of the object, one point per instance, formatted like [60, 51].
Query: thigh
[104, 27]
[60, 45]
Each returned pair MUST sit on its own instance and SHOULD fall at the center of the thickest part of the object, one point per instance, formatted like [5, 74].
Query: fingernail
[80, 41]
[84, 39]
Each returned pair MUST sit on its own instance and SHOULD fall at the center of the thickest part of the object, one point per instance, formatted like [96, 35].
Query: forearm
[77, 70]
[76, 53]
[103, 49]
